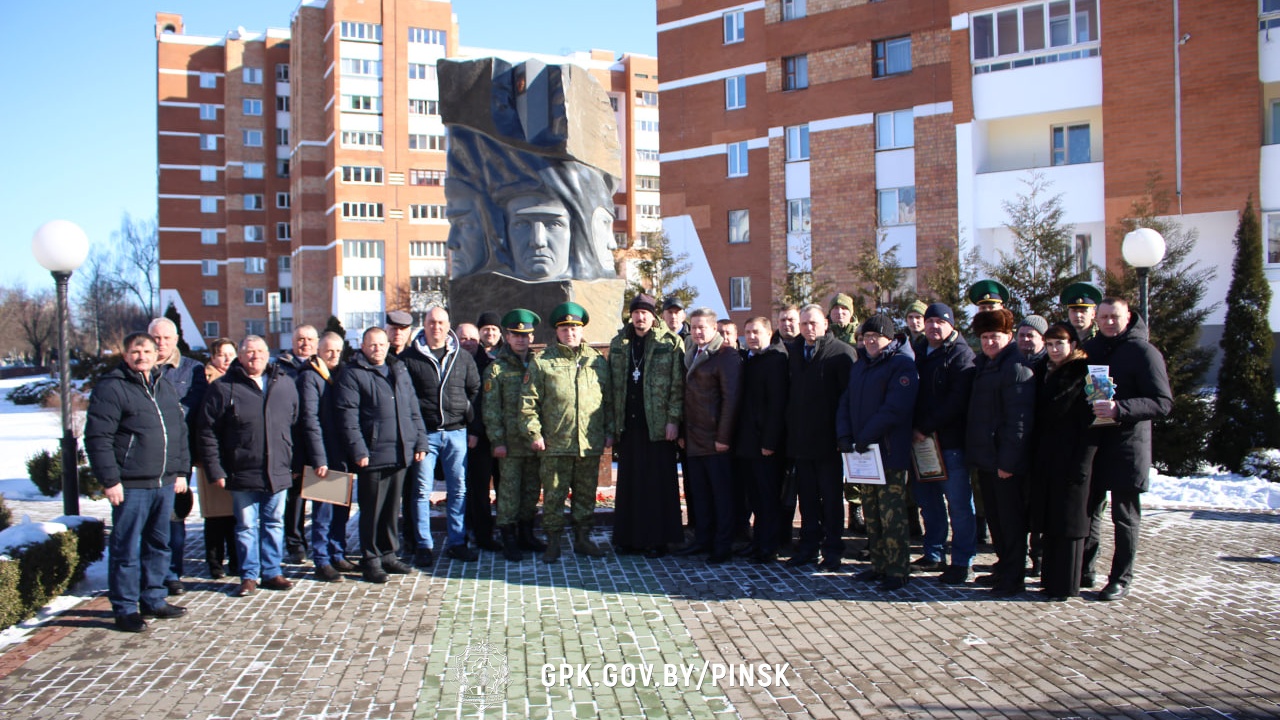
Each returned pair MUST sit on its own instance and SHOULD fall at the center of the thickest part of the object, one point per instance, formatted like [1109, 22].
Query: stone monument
[533, 163]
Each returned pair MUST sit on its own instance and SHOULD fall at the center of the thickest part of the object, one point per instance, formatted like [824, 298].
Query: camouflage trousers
[519, 486]
[560, 474]
[885, 509]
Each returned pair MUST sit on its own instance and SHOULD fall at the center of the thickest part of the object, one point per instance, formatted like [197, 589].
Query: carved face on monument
[538, 230]
[467, 242]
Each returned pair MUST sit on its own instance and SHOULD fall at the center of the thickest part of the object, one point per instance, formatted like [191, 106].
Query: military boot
[553, 546]
[526, 539]
[582, 544]
[509, 549]
[857, 523]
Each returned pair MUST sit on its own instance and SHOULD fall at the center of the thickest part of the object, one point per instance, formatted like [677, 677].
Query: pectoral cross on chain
[635, 375]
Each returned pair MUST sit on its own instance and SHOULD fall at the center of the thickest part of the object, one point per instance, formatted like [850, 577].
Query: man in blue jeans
[136, 438]
[446, 382]
[945, 363]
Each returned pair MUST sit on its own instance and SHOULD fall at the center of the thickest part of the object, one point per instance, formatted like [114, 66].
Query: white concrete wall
[1081, 187]
[1269, 55]
[1038, 89]
[684, 239]
[797, 180]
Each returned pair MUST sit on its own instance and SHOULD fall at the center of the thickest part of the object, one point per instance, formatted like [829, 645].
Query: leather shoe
[247, 588]
[956, 575]
[924, 563]
[892, 582]
[372, 572]
[296, 557]
[746, 551]
[1007, 590]
[393, 566]
[830, 565]
[164, 611]
[343, 565]
[689, 550]
[766, 558]
[1088, 580]
[424, 558]
[1113, 591]
[656, 552]
[132, 622]
[175, 587]
[990, 579]
[869, 575]
[327, 573]
[801, 560]
[461, 552]
[216, 572]
[489, 543]
[278, 582]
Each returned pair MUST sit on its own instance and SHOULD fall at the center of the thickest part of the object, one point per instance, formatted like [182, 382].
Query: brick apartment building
[301, 171]
[828, 124]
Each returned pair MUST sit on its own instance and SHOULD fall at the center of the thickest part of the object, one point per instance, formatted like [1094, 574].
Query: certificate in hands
[214, 501]
[864, 468]
[926, 457]
[334, 488]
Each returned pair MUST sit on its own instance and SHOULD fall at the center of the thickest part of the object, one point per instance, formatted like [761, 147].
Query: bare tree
[37, 317]
[106, 308]
[138, 249]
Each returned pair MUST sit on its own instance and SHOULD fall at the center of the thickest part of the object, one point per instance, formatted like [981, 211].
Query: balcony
[1269, 182]
[1081, 187]
[1269, 48]
[1038, 88]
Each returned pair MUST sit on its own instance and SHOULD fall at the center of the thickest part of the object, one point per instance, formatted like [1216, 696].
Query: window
[427, 212]
[426, 142]
[284, 263]
[426, 36]
[208, 142]
[1032, 28]
[426, 283]
[1082, 253]
[209, 298]
[1070, 144]
[208, 204]
[426, 177]
[798, 219]
[735, 29]
[739, 226]
[253, 202]
[282, 168]
[647, 126]
[255, 327]
[255, 296]
[792, 9]
[282, 103]
[362, 103]
[208, 112]
[254, 171]
[891, 56]
[360, 67]
[422, 71]
[737, 159]
[895, 130]
[361, 175]
[649, 211]
[363, 283]
[286, 296]
[424, 107]
[208, 80]
[208, 236]
[647, 98]
[282, 136]
[253, 75]
[648, 182]
[1270, 6]
[735, 92]
[255, 265]
[282, 72]
[369, 249]
[1273, 238]
[1275, 119]
[426, 249]
[651, 155]
[283, 199]
[897, 206]
[284, 231]
[252, 106]
[252, 138]
[798, 142]
[254, 233]
[361, 139]
[739, 293]
[366, 32]
[362, 211]
[795, 72]
[212, 329]
[209, 268]
[208, 173]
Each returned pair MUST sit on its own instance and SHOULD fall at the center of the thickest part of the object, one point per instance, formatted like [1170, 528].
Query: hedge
[34, 574]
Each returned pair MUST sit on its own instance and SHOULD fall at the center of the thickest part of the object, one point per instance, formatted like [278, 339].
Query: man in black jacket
[136, 440]
[246, 444]
[321, 448]
[305, 341]
[1122, 465]
[759, 435]
[383, 434]
[446, 382]
[819, 372]
[481, 469]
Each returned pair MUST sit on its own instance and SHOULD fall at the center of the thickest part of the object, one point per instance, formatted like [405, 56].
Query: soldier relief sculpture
[532, 168]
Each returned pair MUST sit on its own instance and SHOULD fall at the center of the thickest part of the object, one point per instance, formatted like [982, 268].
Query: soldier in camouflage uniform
[877, 408]
[844, 326]
[518, 476]
[567, 409]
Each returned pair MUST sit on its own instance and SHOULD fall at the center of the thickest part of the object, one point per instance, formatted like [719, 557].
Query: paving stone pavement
[1197, 638]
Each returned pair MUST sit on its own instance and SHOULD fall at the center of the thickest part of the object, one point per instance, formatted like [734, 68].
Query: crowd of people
[759, 422]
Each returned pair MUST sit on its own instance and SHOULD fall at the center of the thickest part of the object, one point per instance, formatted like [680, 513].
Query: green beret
[569, 313]
[843, 301]
[521, 321]
[1081, 294]
[988, 291]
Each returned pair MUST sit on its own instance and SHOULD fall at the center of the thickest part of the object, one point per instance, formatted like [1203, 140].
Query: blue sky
[77, 133]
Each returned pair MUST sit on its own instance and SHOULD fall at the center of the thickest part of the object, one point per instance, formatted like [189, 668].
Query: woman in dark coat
[1062, 464]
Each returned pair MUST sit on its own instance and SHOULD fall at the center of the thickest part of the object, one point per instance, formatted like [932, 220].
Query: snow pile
[1222, 490]
[27, 533]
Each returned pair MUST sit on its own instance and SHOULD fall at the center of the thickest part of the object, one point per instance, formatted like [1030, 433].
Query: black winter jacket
[1001, 414]
[378, 416]
[321, 432]
[816, 387]
[1123, 461]
[1059, 491]
[134, 433]
[763, 405]
[877, 406]
[246, 434]
[946, 380]
[446, 389]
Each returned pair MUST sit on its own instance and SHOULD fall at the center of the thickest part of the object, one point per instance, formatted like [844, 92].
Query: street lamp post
[1143, 249]
[60, 247]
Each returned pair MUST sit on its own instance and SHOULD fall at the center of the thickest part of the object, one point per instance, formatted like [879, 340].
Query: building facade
[301, 172]
[831, 124]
